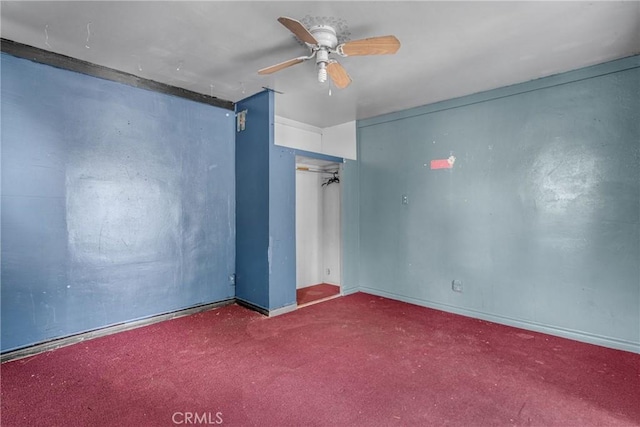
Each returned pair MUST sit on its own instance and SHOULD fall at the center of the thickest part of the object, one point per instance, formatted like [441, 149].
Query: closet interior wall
[318, 241]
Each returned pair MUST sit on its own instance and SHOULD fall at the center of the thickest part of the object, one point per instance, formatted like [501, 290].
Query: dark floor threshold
[101, 332]
[252, 306]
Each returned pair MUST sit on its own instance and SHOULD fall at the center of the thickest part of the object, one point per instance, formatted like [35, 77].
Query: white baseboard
[503, 320]
[283, 310]
[349, 291]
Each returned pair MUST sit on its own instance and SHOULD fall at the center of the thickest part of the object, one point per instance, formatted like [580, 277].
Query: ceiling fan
[322, 41]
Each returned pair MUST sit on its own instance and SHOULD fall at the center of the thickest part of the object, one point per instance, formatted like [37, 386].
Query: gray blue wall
[538, 218]
[117, 203]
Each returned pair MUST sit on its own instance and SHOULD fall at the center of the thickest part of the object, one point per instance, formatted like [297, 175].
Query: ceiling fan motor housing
[325, 35]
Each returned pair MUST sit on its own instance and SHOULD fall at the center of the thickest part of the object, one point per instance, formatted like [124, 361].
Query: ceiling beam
[72, 64]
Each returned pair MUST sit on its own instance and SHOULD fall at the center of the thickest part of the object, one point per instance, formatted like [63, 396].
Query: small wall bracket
[241, 120]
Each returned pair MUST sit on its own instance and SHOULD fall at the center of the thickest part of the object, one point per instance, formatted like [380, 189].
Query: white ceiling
[449, 49]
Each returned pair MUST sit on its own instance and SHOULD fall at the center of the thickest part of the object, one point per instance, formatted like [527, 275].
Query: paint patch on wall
[443, 163]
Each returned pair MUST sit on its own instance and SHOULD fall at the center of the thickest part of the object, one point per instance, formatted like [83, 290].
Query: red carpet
[316, 293]
[358, 360]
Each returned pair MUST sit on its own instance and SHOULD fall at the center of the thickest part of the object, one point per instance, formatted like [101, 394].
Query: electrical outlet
[328, 272]
[232, 279]
[456, 286]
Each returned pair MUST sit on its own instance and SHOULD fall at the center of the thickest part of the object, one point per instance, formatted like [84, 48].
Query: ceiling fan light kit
[322, 41]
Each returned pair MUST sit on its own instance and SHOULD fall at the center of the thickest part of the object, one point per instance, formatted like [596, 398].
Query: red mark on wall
[443, 163]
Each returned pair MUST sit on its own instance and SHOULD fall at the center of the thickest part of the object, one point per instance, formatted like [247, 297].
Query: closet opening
[318, 230]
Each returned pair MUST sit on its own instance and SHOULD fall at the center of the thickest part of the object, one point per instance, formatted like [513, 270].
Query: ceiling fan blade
[383, 45]
[282, 65]
[298, 29]
[338, 74]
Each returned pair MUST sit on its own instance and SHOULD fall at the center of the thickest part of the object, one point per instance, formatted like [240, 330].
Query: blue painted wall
[539, 216]
[117, 203]
[252, 196]
[266, 251]
[282, 227]
[282, 222]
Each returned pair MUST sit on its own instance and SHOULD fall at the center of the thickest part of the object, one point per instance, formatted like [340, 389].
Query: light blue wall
[539, 216]
[350, 226]
[117, 203]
